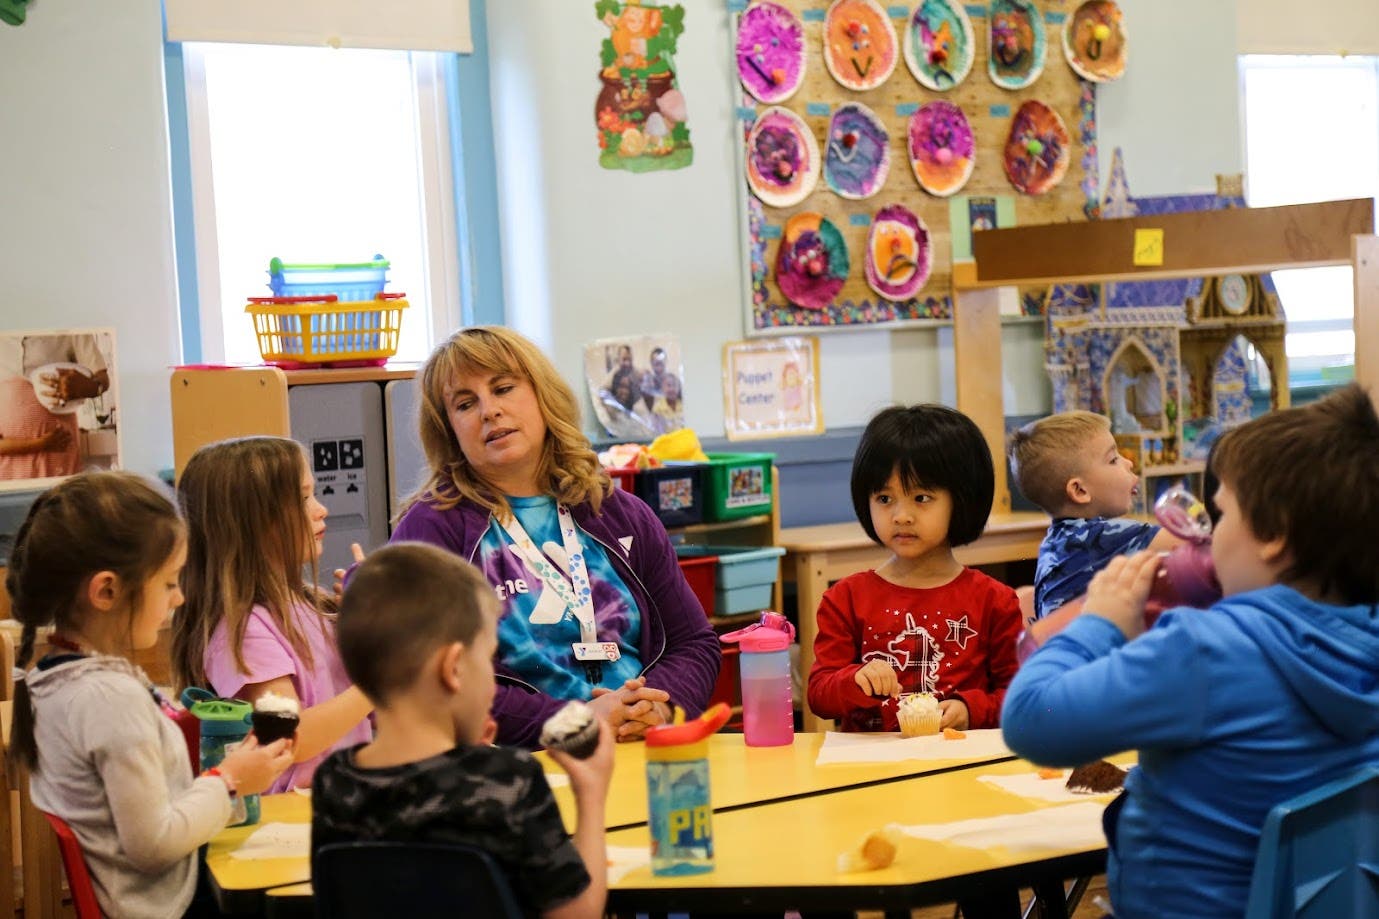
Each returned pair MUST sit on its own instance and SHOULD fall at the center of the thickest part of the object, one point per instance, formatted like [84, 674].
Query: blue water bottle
[224, 726]
[677, 789]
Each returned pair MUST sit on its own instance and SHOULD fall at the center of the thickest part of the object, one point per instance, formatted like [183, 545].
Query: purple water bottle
[768, 713]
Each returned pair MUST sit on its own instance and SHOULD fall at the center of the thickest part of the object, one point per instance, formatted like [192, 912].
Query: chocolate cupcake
[573, 730]
[275, 717]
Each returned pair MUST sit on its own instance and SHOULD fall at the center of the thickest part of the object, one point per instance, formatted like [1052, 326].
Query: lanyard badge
[575, 591]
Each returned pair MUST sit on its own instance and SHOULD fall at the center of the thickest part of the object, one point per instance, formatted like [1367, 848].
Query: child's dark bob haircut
[931, 446]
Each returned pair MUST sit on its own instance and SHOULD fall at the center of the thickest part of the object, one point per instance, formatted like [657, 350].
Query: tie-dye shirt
[1075, 548]
[536, 631]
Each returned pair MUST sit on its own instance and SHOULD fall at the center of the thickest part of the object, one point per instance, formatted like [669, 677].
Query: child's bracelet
[224, 777]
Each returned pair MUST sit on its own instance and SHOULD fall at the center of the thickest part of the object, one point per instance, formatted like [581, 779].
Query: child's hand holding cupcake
[581, 743]
[953, 714]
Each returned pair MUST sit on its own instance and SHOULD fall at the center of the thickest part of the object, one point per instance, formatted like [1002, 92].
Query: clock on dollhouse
[1235, 293]
[1233, 296]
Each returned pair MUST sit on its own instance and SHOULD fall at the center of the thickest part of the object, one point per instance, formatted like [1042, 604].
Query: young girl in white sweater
[99, 557]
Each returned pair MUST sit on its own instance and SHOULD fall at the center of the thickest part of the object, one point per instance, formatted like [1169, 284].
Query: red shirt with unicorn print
[956, 641]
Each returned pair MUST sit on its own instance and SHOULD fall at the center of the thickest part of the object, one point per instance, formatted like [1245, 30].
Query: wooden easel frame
[1196, 244]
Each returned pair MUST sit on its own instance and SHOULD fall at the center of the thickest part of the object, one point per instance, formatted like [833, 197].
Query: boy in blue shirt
[1068, 464]
[1271, 692]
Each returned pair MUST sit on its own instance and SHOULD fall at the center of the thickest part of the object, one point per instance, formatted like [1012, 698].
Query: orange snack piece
[1047, 773]
[953, 734]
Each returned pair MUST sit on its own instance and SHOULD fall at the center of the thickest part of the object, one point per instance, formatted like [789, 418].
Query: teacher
[594, 605]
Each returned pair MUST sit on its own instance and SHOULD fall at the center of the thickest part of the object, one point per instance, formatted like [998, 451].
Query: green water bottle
[224, 726]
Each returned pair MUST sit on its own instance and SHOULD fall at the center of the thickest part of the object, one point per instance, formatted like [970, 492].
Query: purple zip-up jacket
[679, 650]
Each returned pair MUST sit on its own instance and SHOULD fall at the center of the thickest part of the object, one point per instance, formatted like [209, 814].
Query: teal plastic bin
[745, 577]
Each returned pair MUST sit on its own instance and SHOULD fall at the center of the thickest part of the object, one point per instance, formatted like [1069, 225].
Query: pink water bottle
[768, 713]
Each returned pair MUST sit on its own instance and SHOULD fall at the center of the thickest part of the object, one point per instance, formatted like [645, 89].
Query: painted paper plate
[770, 52]
[1017, 45]
[942, 149]
[1037, 149]
[782, 158]
[939, 44]
[899, 256]
[1094, 41]
[858, 157]
[812, 263]
[860, 47]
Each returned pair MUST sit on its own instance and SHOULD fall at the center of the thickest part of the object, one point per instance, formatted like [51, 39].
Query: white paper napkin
[1072, 826]
[277, 840]
[1030, 785]
[622, 859]
[892, 748]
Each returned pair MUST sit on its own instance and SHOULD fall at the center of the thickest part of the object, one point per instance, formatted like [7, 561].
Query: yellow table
[767, 849]
[744, 776]
[816, 556]
[784, 855]
[239, 884]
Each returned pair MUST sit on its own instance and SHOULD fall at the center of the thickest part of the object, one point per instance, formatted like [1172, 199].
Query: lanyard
[574, 591]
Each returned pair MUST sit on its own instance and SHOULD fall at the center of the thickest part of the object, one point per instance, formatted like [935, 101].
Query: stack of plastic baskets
[327, 314]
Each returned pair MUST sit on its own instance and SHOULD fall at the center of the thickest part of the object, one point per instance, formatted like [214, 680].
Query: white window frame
[435, 174]
[1297, 325]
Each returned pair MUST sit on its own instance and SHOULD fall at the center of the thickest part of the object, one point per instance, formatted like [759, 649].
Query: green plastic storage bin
[737, 485]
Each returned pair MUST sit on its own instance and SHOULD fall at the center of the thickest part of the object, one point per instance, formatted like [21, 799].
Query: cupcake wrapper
[919, 725]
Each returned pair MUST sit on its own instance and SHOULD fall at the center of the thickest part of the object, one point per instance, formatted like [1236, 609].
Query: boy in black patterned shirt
[417, 635]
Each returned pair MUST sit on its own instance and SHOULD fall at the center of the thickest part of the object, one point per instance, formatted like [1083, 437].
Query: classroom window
[1312, 134]
[318, 155]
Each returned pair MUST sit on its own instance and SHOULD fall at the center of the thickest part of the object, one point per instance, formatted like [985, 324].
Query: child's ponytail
[31, 613]
[89, 523]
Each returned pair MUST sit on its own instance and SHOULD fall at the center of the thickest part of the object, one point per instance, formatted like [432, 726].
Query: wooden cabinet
[357, 426]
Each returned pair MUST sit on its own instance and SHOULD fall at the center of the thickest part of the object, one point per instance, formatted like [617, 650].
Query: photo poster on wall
[57, 405]
[640, 111]
[637, 385]
[771, 388]
[849, 160]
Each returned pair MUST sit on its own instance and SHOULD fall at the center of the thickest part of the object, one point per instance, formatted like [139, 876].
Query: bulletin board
[989, 110]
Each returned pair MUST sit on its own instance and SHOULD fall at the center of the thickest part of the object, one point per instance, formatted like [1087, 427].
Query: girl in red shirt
[922, 483]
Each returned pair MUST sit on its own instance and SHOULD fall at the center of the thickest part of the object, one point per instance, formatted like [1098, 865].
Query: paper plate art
[899, 256]
[860, 47]
[1037, 149]
[1017, 45]
[770, 52]
[1094, 41]
[858, 156]
[939, 44]
[782, 158]
[640, 111]
[942, 149]
[812, 263]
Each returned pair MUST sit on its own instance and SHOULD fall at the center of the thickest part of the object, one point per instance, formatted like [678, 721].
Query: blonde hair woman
[594, 605]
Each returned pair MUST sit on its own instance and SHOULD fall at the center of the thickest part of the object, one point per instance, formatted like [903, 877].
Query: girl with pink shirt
[250, 625]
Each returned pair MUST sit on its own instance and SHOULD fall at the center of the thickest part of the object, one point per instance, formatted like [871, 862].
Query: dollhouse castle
[1172, 363]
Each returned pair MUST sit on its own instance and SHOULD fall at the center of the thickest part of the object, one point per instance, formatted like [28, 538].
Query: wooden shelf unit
[1205, 243]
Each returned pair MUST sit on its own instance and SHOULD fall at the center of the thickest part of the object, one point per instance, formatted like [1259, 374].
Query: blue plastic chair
[371, 879]
[1319, 853]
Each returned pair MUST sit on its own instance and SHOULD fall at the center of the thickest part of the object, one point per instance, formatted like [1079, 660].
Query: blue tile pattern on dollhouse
[1233, 404]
